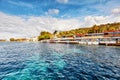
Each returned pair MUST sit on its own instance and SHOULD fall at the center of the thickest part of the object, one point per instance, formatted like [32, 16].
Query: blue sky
[67, 8]
[27, 18]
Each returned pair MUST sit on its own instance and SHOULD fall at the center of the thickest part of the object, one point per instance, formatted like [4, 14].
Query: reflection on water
[44, 61]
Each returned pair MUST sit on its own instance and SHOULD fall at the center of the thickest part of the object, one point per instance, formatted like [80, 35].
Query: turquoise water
[44, 61]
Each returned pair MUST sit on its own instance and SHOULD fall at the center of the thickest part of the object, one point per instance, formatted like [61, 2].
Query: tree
[95, 28]
[112, 28]
[90, 31]
[45, 35]
[55, 32]
[12, 39]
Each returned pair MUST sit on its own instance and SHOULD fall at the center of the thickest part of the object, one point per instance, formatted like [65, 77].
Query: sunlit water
[44, 61]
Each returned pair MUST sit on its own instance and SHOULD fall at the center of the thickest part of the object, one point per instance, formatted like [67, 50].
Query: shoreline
[107, 41]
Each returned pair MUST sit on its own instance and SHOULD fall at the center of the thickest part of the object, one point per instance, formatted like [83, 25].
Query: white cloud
[62, 1]
[116, 11]
[16, 26]
[91, 20]
[52, 12]
[19, 3]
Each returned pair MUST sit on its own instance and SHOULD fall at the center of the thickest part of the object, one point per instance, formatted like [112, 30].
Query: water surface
[44, 61]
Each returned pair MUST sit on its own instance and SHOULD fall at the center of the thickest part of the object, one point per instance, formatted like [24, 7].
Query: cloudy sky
[26, 18]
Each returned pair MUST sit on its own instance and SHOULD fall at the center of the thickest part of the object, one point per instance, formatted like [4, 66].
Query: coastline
[107, 41]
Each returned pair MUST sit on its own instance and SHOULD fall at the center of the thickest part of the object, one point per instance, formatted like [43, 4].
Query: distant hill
[94, 29]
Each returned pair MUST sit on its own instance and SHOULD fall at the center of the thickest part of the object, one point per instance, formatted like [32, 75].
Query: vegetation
[18, 39]
[12, 39]
[45, 35]
[94, 29]
[2, 40]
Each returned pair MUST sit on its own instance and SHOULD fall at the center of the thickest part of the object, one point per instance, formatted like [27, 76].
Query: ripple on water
[33, 61]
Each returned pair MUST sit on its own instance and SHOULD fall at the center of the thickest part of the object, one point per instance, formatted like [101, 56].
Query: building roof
[111, 31]
[80, 34]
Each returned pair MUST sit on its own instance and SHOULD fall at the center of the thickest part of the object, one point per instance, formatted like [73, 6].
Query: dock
[107, 39]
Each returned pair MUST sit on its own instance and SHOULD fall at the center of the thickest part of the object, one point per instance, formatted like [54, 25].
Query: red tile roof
[112, 31]
[80, 34]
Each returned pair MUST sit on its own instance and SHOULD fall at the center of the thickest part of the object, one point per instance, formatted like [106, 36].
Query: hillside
[94, 29]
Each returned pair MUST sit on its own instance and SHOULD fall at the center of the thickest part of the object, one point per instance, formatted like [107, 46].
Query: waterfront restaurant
[112, 33]
[108, 37]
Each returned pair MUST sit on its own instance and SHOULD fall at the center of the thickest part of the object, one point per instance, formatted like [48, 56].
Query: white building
[34, 39]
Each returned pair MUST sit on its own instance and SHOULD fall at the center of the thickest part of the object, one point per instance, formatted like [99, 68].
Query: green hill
[94, 29]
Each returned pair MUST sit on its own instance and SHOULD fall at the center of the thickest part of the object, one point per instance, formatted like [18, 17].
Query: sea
[50, 61]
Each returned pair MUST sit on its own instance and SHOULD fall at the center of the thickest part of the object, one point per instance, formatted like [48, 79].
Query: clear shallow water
[44, 61]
